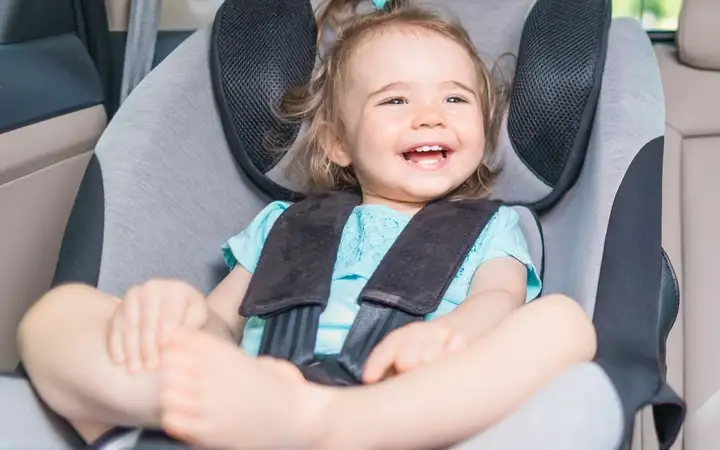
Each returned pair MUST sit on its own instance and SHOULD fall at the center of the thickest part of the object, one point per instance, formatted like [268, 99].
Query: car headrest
[698, 34]
[262, 47]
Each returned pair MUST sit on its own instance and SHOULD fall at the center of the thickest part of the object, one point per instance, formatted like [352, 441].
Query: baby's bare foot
[214, 396]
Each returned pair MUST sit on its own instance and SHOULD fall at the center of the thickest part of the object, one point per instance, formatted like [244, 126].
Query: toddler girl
[402, 109]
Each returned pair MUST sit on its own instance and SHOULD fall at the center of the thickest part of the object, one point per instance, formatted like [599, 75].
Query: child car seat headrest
[261, 48]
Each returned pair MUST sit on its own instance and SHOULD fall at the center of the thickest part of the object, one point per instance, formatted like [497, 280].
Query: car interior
[69, 138]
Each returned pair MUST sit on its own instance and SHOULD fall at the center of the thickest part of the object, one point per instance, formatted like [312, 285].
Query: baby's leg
[440, 404]
[215, 396]
[62, 342]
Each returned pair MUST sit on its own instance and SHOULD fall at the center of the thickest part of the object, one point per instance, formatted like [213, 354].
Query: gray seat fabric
[173, 193]
[26, 424]
[577, 410]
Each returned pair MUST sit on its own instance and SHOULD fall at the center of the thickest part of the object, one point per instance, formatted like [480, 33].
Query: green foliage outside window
[660, 15]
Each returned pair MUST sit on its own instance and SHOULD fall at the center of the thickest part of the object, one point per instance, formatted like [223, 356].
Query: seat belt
[291, 284]
[140, 45]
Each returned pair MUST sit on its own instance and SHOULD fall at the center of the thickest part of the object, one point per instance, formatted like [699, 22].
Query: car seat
[180, 169]
[690, 70]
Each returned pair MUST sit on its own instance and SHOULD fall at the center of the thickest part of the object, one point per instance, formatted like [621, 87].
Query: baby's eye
[394, 101]
[456, 99]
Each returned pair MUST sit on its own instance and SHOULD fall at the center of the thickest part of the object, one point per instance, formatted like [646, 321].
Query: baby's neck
[409, 208]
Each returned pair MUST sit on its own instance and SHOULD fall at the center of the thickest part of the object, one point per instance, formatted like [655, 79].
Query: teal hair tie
[379, 4]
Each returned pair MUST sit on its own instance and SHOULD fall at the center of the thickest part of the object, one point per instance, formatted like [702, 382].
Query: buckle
[328, 371]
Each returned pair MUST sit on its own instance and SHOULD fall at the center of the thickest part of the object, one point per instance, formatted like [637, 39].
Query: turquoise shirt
[366, 238]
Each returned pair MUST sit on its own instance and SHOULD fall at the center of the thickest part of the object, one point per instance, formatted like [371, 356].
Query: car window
[655, 15]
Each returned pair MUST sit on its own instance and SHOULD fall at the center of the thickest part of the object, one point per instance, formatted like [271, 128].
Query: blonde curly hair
[317, 105]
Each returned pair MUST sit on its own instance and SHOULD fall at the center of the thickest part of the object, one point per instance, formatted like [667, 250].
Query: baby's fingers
[411, 354]
[149, 331]
[115, 338]
[432, 350]
[131, 331]
[172, 317]
[196, 313]
[381, 361]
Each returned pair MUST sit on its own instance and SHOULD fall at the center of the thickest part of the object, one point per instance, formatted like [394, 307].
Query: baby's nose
[428, 118]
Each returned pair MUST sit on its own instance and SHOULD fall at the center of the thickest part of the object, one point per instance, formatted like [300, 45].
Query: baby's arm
[224, 302]
[499, 287]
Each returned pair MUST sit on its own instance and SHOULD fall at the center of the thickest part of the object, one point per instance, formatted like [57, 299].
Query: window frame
[662, 36]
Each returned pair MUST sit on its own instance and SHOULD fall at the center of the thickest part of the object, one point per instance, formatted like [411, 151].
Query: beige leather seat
[691, 79]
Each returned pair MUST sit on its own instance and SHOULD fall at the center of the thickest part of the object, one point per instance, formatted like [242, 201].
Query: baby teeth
[429, 148]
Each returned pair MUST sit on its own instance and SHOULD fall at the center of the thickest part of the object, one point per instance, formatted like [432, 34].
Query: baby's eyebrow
[388, 87]
[404, 85]
[460, 85]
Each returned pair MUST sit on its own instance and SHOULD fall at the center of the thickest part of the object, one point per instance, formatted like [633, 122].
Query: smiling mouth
[428, 156]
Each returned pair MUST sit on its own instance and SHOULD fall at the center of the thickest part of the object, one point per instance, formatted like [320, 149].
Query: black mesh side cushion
[556, 89]
[260, 48]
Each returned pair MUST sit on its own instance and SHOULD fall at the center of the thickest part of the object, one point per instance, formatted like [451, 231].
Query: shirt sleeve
[245, 247]
[504, 238]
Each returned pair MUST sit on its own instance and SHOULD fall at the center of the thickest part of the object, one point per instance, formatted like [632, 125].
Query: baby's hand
[409, 347]
[146, 319]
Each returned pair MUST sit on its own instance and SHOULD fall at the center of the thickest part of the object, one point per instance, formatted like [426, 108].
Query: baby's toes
[180, 388]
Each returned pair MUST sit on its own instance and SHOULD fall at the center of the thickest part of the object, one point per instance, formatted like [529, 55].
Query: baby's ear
[335, 149]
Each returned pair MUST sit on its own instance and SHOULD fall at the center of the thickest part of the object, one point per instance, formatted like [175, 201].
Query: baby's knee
[566, 317]
[57, 299]
[69, 300]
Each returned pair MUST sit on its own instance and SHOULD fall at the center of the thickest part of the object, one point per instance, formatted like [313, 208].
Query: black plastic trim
[81, 249]
[93, 30]
[669, 305]
[662, 37]
[46, 78]
[16, 374]
[107, 437]
[158, 440]
[167, 42]
[629, 301]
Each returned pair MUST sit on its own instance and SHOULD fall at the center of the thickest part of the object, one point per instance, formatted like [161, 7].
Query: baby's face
[412, 116]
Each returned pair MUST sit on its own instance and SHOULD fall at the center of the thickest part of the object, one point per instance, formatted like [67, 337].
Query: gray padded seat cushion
[176, 193]
[630, 114]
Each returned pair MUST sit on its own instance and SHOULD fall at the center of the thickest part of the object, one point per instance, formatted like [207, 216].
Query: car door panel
[25, 20]
[41, 166]
[51, 116]
[45, 78]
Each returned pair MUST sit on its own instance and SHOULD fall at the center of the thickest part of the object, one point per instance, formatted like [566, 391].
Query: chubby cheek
[378, 138]
[472, 137]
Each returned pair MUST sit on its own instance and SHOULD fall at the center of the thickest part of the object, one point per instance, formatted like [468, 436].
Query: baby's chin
[428, 190]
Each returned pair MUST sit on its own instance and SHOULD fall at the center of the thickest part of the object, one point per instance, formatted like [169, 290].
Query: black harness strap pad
[291, 334]
[298, 258]
[420, 265]
[372, 323]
